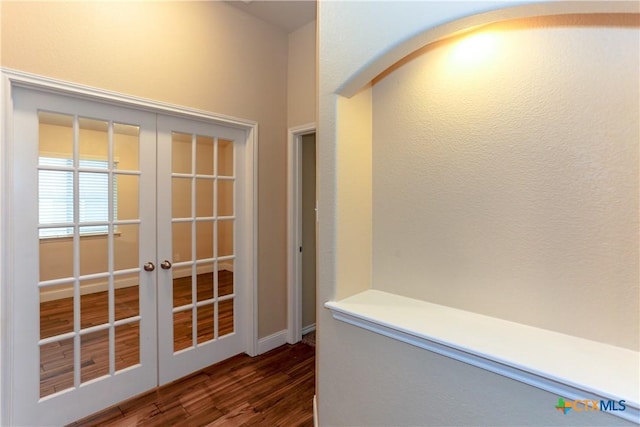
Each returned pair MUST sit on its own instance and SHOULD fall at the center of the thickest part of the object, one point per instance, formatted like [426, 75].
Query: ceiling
[288, 15]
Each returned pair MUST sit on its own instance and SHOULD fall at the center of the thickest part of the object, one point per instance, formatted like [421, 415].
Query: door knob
[149, 266]
[166, 264]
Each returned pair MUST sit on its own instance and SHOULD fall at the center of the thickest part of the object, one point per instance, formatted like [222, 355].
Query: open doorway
[302, 234]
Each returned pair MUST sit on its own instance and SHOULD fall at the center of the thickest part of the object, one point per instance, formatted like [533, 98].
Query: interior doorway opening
[302, 221]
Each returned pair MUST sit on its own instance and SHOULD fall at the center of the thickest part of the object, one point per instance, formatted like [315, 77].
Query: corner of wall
[354, 194]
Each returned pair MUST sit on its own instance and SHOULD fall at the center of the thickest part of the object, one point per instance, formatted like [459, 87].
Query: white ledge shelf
[568, 366]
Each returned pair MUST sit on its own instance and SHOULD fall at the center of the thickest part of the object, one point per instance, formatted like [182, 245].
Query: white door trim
[6, 258]
[13, 78]
[28, 80]
[294, 231]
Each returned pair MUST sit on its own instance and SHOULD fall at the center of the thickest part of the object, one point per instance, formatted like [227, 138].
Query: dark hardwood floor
[273, 389]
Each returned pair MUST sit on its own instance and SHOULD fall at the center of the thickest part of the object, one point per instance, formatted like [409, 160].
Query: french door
[201, 218]
[127, 256]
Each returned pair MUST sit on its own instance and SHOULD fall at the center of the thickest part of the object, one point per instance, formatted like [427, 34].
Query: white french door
[201, 216]
[130, 233]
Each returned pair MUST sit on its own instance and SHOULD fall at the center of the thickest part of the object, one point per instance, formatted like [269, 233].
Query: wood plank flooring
[274, 389]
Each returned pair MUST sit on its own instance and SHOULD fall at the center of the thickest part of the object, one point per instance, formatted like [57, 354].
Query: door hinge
[300, 249]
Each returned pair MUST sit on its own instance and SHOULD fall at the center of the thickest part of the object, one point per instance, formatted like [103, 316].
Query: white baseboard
[315, 412]
[272, 341]
[307, 329]
[185, 271]
[225, 266]
[119, 283]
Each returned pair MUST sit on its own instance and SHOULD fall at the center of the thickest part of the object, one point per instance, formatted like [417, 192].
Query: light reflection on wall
[478, 46]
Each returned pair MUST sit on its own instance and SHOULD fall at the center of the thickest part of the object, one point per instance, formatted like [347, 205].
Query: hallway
[273, 389]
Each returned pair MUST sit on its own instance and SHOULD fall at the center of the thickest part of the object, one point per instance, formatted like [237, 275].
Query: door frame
[13, 78]
[294, 230]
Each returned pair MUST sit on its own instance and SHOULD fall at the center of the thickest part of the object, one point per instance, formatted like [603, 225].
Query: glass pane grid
[203, 227]
[83, 292]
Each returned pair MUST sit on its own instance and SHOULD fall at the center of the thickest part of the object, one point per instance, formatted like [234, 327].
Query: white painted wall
[505, 176]
[363, 378]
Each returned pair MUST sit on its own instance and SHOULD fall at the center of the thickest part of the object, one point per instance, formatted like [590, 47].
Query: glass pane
[225, 158]
[126, 197]
[181, 197]
[204, 283]
[126, 245]
[225, 238]
[93, 141]
[56, 310]
[55, 136]
[182, 330]
[94, 198]
[56, 256]
[181, 154]
[126, 147]
[225, 317]
[56, 367]
[55, 197]
[205, 323]
[127, 345]
[94, 302]
[225, 198]
[181, 239]
[204, 155]
[126, 296]
[204, 239]
[204, 197]
[182, 286]
[94, 355]
[225, 278]
[93, 253]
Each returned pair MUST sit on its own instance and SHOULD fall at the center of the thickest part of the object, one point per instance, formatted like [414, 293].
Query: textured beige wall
[205, 55]
[301, 70]
[379, 381]
[353, 252]
[506, 175]
[301, 110]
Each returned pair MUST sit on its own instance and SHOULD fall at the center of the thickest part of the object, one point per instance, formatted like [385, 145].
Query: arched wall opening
[504, 175]
[481, 188]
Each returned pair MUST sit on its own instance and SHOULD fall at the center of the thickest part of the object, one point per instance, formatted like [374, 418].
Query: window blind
[55, 198]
